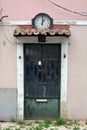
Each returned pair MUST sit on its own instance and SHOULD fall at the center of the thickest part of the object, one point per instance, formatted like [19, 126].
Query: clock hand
[42, 20]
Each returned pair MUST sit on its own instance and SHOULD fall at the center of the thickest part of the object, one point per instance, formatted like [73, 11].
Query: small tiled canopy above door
[56, 30]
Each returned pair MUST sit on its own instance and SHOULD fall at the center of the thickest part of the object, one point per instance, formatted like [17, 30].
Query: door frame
[63, 40]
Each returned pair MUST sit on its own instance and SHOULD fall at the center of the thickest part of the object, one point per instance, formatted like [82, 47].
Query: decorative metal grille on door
[41, 74]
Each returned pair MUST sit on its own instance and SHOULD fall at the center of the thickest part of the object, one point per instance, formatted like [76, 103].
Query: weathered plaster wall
[77, 72]
[8, 74]
[8, 61]
[77, 77]
[21, 10]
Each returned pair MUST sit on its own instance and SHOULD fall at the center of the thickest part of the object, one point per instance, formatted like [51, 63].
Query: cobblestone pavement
[41, 125]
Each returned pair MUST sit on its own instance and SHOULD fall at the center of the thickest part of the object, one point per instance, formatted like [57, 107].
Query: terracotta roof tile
[29, 31]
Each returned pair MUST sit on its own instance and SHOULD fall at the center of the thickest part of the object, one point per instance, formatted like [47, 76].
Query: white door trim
[20, 82]
[20, 72]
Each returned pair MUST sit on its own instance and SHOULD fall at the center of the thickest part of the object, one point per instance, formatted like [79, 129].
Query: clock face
[42, 21]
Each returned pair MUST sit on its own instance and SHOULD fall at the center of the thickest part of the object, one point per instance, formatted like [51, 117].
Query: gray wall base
[7, 104]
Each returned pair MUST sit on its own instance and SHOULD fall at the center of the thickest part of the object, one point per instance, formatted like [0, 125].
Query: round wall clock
[42, 21]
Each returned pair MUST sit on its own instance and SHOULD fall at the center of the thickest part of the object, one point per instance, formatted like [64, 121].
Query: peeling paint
[64, 109]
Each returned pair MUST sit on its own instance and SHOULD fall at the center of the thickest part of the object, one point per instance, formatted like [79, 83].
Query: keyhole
[64, 56]
[19, 57]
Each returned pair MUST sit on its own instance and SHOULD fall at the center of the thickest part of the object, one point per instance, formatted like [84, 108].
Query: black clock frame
[42, 14]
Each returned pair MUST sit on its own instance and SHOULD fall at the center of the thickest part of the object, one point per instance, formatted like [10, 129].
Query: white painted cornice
[57, 22]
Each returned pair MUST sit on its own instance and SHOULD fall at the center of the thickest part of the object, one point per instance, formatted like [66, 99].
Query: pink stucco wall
[8, 69]
[21, 10]
[77, 73]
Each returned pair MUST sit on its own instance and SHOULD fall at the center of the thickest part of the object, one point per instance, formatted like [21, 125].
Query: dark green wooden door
[42, 80]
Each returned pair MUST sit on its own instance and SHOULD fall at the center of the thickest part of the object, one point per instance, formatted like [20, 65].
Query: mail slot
[41, 100]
